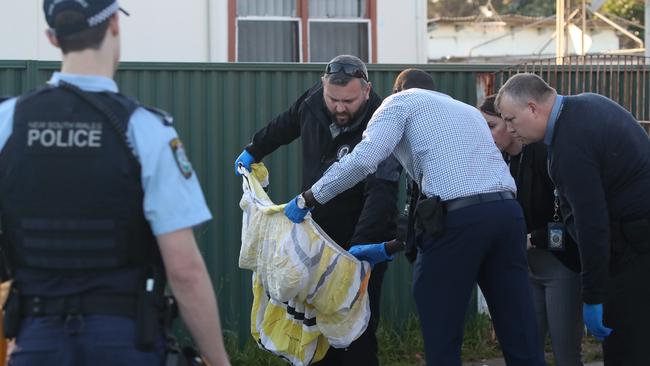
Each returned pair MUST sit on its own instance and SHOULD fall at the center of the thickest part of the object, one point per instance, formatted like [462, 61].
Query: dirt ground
[592, 355]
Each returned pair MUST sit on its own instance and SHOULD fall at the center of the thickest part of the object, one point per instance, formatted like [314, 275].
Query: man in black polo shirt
[599, 160]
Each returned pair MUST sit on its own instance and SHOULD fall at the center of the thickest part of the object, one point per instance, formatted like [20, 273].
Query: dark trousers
[363, 351]
[483, 243]
[627, 312]
[99, 341]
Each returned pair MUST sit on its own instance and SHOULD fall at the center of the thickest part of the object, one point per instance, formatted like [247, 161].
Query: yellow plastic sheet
[308, 292]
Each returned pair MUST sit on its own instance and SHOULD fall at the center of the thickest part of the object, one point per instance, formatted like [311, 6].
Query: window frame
[274, 18]
[367, 21]
[302, 16]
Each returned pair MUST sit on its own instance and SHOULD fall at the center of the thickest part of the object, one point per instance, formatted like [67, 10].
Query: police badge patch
[181, 157]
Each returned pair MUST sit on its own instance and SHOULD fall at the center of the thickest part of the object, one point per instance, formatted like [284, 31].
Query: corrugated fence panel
[13, 78]
[217, 108]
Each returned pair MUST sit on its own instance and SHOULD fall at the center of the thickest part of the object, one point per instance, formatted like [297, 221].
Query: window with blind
[272, 30]
[268, 31]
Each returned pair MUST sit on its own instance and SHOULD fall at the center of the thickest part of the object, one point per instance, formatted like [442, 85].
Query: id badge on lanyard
[556, 230]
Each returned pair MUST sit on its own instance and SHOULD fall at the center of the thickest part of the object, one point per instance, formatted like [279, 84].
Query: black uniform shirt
[367, 212]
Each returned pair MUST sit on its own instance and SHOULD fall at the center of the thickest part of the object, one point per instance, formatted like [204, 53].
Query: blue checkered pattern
[443, 144]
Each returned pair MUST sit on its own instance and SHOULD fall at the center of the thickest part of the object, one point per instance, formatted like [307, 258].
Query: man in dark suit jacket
[599, 160]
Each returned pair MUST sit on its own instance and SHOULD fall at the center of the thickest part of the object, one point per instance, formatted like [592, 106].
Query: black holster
[147, 321]
[430, 216]
[6, 269]
[13, 316]
[406, 222]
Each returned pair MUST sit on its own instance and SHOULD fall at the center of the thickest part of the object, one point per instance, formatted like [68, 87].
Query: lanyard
[556, 205]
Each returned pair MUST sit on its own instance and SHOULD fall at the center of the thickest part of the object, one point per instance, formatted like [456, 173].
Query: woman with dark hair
[553, 260]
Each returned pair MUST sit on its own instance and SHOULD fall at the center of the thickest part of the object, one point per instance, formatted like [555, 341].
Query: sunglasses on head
[348, 69]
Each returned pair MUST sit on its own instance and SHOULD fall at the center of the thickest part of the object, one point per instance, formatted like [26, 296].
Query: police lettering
[64, 134]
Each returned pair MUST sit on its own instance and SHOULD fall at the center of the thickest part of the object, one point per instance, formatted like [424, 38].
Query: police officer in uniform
[97, 203]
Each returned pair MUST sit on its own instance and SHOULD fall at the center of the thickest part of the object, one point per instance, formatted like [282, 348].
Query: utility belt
[151, 316]
[430, 212]
[37, 306]
[143, 308]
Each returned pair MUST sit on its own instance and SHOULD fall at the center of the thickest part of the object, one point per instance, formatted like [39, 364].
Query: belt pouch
[430, 216]
[145, 321]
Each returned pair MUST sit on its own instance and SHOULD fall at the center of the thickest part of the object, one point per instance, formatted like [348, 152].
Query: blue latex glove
[372, 253]
[245, 159]
[295, 213]
[593, 318]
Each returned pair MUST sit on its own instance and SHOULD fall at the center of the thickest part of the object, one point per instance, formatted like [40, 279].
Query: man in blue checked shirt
[98, 201]
[446, 147]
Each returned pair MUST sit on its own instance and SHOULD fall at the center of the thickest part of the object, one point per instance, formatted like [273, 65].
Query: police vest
[71, 196]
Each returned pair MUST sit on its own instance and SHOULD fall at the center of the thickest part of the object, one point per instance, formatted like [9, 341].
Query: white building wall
[22, 27]
[449, 40]
[170, 31]
[197, 31]
[401, 31]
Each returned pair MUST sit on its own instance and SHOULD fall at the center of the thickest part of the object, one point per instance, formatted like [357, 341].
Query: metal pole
[647, 27]
[584, 27]
[559, 31]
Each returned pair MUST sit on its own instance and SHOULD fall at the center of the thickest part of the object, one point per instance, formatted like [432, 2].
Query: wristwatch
[300, 202]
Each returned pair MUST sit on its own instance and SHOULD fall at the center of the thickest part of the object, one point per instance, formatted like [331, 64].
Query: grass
[250, 354]
[401, 346]
[591, 349]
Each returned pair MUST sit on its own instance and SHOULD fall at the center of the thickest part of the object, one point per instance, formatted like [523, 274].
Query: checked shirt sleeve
[384, 132]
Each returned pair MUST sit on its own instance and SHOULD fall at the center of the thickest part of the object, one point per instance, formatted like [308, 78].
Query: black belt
[104, 304]
[462, 202]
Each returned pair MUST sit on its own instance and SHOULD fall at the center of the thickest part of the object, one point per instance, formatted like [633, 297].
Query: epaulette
[166, 118]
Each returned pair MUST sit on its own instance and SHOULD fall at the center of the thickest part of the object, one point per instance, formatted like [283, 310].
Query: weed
[398, 346]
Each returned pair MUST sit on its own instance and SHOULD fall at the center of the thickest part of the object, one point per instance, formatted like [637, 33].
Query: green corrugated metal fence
[217, 108]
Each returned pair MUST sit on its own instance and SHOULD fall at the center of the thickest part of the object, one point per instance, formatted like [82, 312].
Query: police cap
[94, 12]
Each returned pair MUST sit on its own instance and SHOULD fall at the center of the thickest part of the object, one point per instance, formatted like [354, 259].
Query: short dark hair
[524, 87]
[413, 78]
[487, 106]
[341, 78]
[91, 38]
